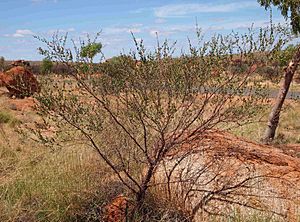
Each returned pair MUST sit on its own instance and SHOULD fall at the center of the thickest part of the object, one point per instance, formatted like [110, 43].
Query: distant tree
[119, 59]
[2, 60]
[290, 9]
[90, 50]
[47, 66]
[111, 66]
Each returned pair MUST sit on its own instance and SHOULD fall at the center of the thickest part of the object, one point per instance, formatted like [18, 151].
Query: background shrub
[47, 66]
[2, 61]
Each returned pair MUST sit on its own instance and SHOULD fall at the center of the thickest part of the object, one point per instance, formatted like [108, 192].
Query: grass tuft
[7, 118]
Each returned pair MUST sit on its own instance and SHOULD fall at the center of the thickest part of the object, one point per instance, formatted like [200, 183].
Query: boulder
[20, 82]
[217, 173]
[20, 63]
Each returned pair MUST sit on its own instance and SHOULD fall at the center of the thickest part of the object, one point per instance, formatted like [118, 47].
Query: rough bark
[284, 88]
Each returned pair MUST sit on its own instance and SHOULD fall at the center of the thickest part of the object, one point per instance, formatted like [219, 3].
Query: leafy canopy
[289, 9]
[91, 50]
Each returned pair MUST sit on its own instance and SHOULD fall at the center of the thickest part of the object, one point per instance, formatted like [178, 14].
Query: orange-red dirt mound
[20, 82]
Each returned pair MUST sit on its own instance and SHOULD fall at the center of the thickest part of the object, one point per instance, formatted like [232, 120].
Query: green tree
[90, 50]
[290, 9]
[47, 66]
[286, 55]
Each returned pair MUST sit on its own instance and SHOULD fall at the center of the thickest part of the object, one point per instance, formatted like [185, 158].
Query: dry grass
[288, 130]
[42, 184]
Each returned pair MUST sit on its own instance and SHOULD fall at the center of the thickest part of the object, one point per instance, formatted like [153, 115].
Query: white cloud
[177, 10]
[154, 32]
[112, 41]
[135, 28]
[161, 32]
[24, 32]
[17, 35]
[137, 25]
[160, 21]
[140, 10]
[20, 33]
[245, 24]
[170, 30]
[40, 1]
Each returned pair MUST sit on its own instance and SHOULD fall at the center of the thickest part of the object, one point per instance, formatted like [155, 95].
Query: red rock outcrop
[20, 82]
[20, 63]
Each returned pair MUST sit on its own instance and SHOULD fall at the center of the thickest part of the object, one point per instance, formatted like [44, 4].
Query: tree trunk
[284, 88]
[140, 196]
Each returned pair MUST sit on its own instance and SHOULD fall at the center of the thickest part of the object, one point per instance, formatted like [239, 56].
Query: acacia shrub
[136, 114]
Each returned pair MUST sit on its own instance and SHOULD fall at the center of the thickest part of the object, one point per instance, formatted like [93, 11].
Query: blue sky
[174, 20]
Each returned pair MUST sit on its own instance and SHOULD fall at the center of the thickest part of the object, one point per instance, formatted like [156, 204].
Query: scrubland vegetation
[101, 131]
